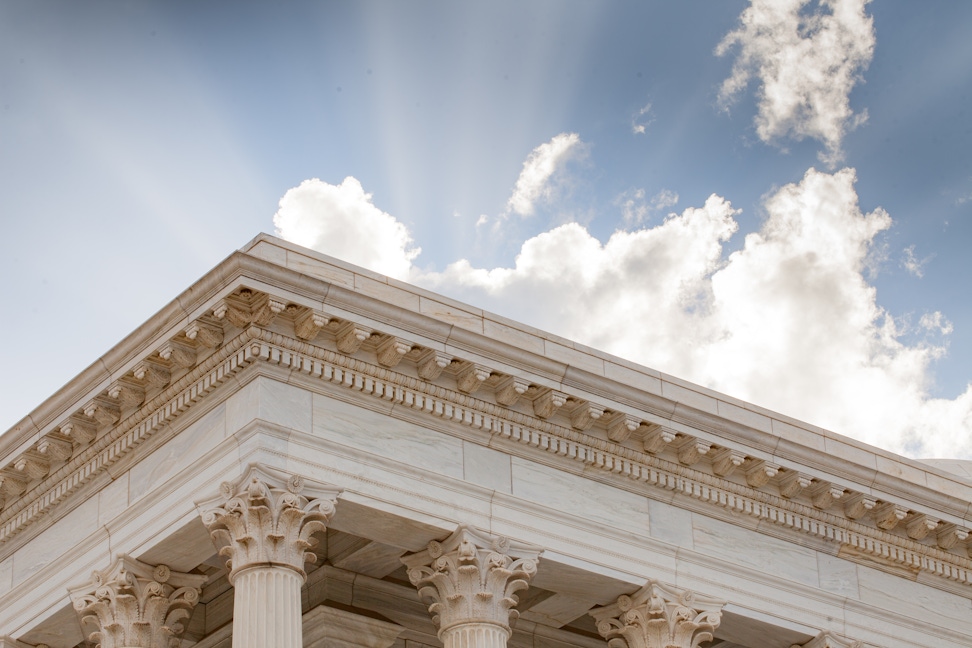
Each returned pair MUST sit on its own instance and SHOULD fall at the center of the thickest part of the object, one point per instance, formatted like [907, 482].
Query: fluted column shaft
[266, 608]
[265, 522]
[475, 635]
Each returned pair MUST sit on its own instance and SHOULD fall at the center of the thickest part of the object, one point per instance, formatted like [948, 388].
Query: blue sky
[141, 143]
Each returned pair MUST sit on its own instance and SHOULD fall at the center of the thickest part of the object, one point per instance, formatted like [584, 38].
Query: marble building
[298, 452]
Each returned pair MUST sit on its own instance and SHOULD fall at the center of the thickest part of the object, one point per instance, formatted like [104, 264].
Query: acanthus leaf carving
[308, 323]
[690, 450]
[152, 373]
[56, 448]
[79, 430]
[233, 312]
[887, 515]
[584, 414]
[659, 616]
[948, 535]
[509, 390]
[127, 393]
[350, 337]
[759, 472]
[792, 482]
[12, 485]
[205, 333]
[621, 426]
[102, 411]
[391, 350]
[824, 494]
[858, 505]
[470, 376]
[268, 518]
[135, 605]
[265, 309]
[657, 437]
[472, 577]
[547, 402]
[178, 353]
[32, 465]
[431, 363]
[919, 525]
[726, 460]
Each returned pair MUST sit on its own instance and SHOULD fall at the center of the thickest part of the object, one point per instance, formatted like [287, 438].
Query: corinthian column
[658, 616]
[134, 605]
[469, 580]
[264, 523]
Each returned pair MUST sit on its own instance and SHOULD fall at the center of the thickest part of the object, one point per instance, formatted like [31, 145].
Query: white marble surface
[487, 467]
[585, 498]
[914, 600]
[838, 576]
[113, 499]
[190, 444]
[382, 435]
[754, 550]
[671, 524]
[55, 541]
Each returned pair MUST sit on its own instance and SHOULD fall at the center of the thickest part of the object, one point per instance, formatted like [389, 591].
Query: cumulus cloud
[807, 57]
[540, 168]
[340, 220]
[788, 321]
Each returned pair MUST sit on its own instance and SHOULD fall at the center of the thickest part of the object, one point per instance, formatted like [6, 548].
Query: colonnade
[265, 523]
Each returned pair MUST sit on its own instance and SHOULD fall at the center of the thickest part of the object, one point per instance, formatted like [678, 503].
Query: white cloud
[642, 120]
[913, 264]
[664, 199]
[806, 61]
[635, 210]
[340, 220]
[788, 321]
[544, 162]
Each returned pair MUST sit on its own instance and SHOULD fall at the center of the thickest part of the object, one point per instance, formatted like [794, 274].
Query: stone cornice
[327, 284]
[162, 377]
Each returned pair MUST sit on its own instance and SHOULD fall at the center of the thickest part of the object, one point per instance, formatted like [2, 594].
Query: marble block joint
[659, 616]
[470, 580]
[135, 605]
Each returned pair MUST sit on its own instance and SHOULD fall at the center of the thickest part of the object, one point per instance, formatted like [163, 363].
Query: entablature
[267, 315]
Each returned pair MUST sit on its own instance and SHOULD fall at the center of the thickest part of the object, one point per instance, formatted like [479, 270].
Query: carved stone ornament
[830, 640]
[471, 578]
[268, 518]
[659, 616]
[134, 605]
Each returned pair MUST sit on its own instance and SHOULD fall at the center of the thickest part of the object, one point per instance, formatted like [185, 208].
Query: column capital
[830, 640]
[659, 616]
[135, 605]
[471, 578]
[267, 518]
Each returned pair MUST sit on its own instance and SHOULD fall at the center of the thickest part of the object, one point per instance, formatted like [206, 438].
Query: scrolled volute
[472, 577]
[659, 616]
[135, 605]
[268, 518]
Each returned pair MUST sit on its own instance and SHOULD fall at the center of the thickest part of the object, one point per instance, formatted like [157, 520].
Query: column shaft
[475, 635]
[266, 608]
